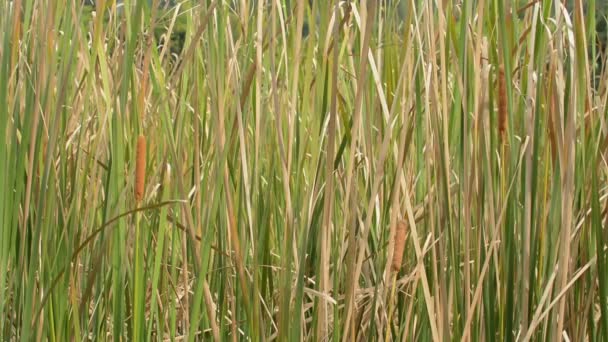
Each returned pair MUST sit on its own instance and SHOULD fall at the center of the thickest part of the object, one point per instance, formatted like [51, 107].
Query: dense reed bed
[405, 170]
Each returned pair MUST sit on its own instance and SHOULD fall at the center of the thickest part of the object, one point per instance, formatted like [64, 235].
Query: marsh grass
[283, 140]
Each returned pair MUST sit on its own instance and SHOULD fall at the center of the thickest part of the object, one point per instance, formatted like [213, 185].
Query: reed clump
[286, 141]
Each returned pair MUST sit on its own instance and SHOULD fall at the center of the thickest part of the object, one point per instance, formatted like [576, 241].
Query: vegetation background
[407, 170]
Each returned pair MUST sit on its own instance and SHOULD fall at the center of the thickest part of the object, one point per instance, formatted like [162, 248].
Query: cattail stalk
[502, 103]
[140, 168]
[391, 308]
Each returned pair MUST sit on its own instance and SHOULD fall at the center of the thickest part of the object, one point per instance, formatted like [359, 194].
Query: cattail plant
[140, 168]
[139, 288]
[502, 103]
[398, 247]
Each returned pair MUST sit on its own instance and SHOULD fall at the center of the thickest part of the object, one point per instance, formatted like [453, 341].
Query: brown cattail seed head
[140, 168]
[551, 128]
[399, 246]
[502, 103]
